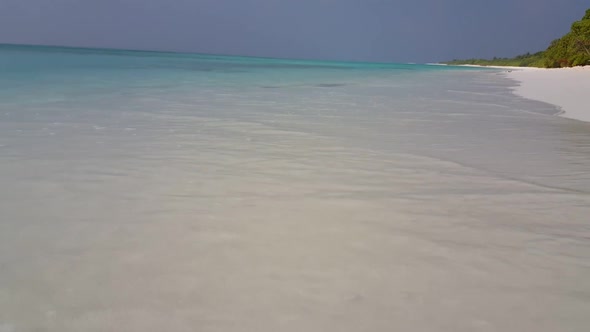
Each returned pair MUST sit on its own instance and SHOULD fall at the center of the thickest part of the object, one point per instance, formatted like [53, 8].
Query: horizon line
[90, 48]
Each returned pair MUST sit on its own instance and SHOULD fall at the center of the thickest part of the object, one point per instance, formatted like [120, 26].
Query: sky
[358, 30]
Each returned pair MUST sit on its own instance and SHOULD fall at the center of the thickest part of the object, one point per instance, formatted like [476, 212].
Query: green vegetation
[573, 49]
[525, 60]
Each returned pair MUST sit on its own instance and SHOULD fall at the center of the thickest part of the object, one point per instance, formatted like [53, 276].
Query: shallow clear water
[172, 192]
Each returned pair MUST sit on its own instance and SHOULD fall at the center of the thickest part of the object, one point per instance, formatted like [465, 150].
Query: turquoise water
[52, 72]
[152, 191]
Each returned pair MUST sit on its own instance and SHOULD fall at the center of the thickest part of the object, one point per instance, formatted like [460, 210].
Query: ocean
[154, 191]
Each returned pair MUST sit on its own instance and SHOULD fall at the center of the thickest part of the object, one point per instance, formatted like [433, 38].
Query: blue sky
[370, 30]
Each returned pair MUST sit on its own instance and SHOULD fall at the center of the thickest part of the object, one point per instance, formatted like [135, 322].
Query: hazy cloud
[379, 30]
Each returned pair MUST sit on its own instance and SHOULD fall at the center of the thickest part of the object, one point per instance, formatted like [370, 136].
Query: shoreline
[566, 88]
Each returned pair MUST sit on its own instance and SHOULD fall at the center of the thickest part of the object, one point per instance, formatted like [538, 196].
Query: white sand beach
[568, 88]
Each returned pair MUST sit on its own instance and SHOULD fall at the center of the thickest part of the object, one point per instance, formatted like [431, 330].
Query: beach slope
[568, 88]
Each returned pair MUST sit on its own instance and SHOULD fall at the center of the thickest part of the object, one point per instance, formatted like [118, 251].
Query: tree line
[573, 49]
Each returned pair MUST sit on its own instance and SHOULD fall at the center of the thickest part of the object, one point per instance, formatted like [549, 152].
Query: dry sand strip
[568, 88]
